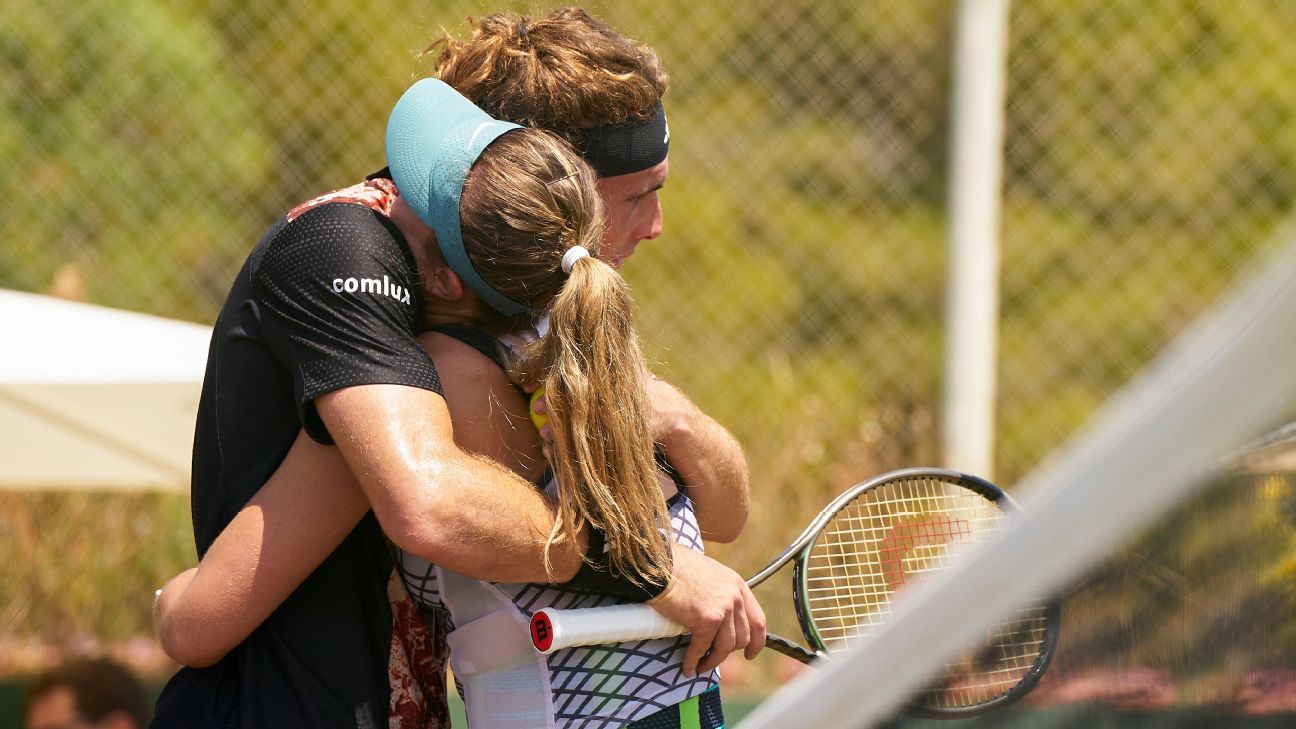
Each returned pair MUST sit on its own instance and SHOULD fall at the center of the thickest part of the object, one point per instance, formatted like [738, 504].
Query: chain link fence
[1151, 154]
[798, 291]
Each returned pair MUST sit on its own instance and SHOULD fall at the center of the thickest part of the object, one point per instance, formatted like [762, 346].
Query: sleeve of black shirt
[340, 306]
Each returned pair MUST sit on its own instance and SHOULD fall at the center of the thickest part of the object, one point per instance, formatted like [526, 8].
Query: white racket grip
[553, 629]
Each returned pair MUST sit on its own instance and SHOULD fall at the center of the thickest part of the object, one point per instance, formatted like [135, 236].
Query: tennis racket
[868, 545]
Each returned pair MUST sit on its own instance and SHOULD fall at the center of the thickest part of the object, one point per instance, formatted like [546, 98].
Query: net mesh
[1194, 612]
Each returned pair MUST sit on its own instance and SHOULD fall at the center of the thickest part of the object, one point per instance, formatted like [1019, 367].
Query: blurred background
[798, 293]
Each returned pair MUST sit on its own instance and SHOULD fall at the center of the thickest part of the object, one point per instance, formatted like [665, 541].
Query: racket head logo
[917, 545]
[542, 633]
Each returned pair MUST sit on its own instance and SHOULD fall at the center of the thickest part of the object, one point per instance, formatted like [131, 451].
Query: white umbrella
[92, 397]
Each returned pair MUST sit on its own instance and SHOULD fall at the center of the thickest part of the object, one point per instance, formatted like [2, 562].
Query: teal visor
[434, 136]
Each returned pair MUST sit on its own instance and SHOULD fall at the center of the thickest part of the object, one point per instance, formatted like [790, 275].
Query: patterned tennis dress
[596, 686]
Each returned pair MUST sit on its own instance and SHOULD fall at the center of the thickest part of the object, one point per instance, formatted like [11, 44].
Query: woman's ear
[443, 283]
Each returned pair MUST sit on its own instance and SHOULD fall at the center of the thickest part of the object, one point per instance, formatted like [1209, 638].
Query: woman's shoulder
[463, 362]
[489, 414]
[463, 348]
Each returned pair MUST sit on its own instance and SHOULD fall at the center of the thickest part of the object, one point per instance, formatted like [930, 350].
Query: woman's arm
[490, 417]
[312, 502]
[288, 528]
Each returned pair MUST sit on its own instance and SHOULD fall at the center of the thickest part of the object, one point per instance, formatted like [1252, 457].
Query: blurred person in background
[95, 693]
[475, 508]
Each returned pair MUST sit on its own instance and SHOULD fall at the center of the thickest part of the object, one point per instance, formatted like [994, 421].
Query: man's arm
[433, 499]
[313, 501]
[706, 456]
[706, 597]
[711, 463]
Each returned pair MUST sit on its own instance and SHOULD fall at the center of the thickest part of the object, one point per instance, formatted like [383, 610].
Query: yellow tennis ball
[539, 419]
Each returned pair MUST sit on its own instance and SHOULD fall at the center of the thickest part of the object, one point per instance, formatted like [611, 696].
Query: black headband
[620, 149]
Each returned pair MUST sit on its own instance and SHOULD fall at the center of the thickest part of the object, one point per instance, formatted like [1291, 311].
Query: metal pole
[976, 177]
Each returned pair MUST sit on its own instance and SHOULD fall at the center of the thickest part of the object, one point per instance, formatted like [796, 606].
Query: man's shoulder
[340, 223]
[338, 232]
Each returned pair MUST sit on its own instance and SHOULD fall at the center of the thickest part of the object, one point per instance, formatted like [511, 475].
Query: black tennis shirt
[326, 300]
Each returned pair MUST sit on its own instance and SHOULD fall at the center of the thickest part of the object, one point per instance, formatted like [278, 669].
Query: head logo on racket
[541, 631]
[920, 546]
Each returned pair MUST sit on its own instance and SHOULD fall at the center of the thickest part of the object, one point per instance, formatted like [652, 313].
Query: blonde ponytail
[595, 390]
[527, 201]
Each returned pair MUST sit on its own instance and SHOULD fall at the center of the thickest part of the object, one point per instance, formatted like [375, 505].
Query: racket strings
[885, 541]
[1009, 654]
[882, 542]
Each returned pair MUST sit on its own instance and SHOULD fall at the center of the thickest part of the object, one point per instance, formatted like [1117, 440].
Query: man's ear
[444, 283]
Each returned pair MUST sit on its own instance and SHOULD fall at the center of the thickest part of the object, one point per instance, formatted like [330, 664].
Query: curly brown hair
[563, 72]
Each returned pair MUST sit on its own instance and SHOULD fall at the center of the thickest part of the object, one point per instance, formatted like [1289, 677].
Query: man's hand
[717, 607]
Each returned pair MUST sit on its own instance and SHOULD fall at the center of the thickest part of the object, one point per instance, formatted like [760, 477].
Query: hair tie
[573, 254]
